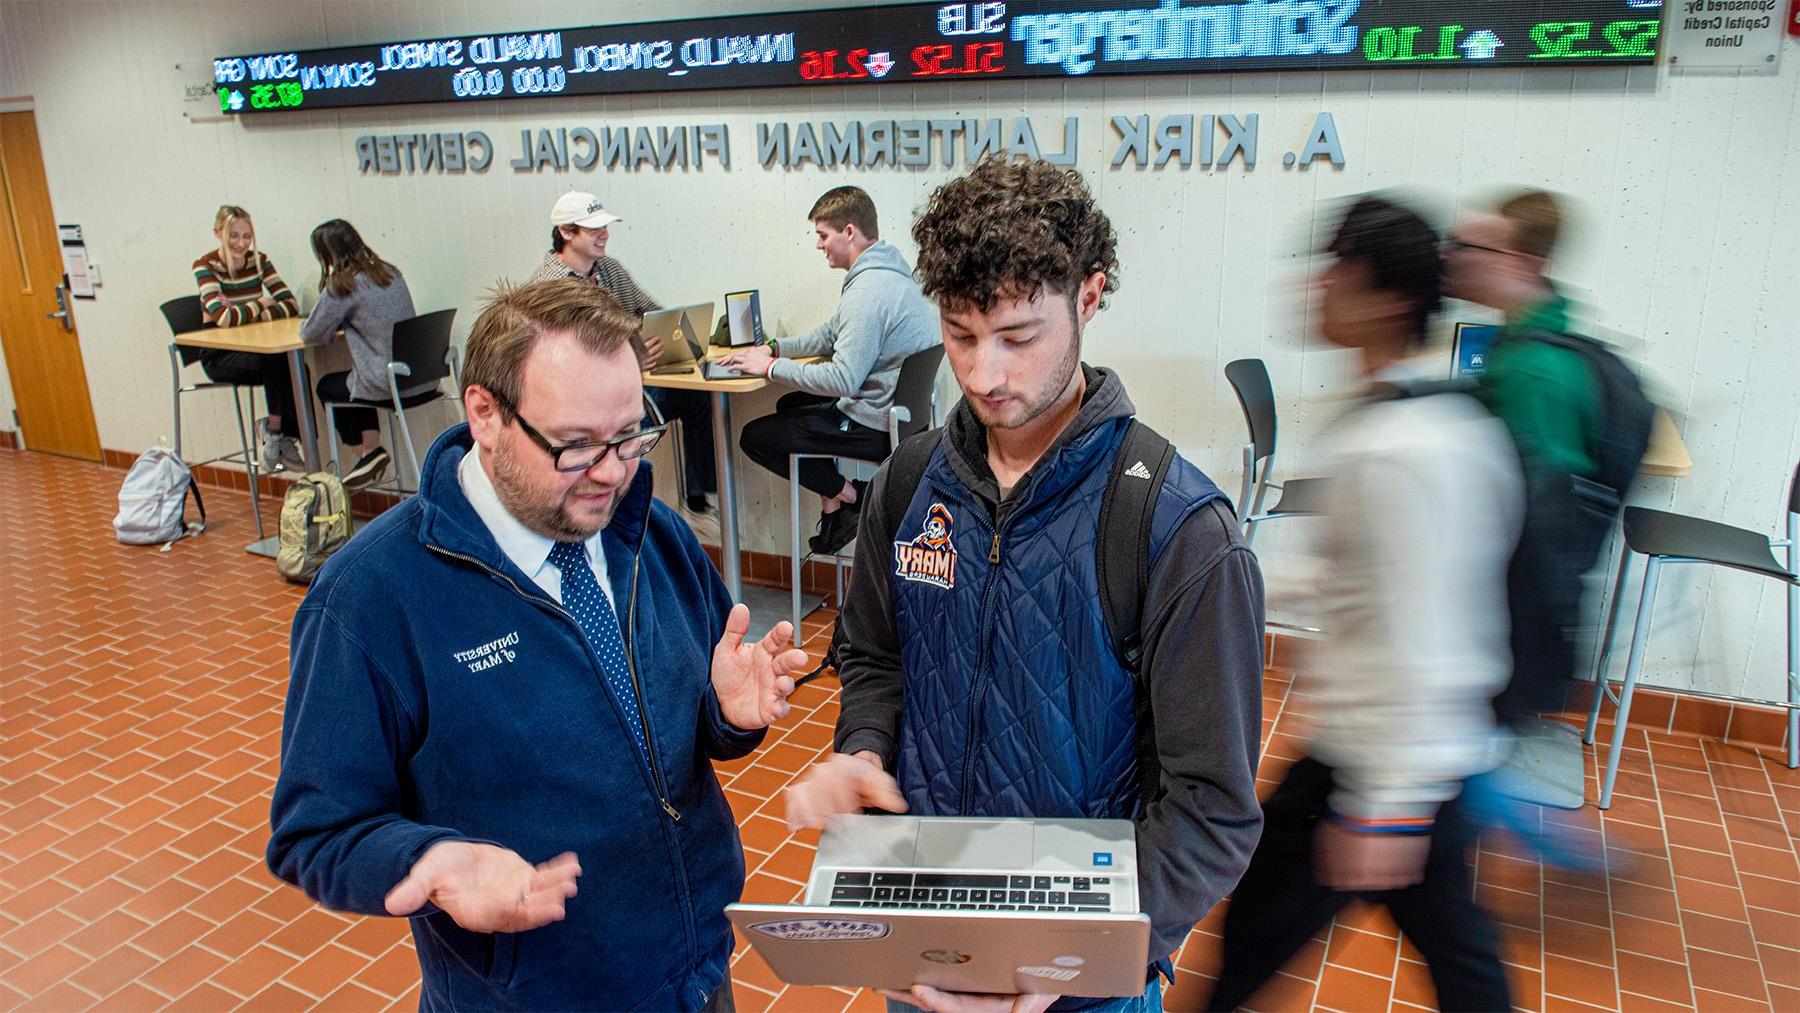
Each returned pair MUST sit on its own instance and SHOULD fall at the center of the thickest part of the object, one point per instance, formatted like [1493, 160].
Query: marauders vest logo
[929, 558]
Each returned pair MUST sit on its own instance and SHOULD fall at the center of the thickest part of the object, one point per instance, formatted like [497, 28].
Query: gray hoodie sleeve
[1203, 664]
[858, 326]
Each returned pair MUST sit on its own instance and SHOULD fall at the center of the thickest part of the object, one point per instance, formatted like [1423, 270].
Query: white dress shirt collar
[528, 550]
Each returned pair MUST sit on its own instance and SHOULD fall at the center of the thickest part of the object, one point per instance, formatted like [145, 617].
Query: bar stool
[1667, 539]
[422, 352]
[914, 410]
[185, 314]
[1300, 497]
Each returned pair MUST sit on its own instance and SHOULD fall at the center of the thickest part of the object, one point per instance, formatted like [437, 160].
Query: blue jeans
[1149, 1002]
[694, 409]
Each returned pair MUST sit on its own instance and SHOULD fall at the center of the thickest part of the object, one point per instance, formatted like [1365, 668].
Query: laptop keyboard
[972, 891]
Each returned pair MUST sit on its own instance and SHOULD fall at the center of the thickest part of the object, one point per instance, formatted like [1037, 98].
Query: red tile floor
[140, 711]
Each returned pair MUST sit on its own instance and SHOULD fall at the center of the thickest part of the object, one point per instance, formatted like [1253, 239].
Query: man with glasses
[1550, 399]
[522, 675]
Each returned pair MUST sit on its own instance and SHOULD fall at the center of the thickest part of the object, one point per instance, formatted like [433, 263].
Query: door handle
[62, 310]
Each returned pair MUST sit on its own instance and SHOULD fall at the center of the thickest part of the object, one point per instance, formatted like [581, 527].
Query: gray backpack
[315, 522]
[153, 500]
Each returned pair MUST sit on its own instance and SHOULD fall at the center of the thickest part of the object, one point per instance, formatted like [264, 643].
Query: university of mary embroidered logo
[929, 558]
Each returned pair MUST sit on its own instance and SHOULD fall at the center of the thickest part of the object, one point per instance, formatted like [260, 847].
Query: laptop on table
[966, 905]
[683, 330]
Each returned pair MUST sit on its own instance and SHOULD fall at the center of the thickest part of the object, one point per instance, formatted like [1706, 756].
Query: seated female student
[366, 296]
[239, 285]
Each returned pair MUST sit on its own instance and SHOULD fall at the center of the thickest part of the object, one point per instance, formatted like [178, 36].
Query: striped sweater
[230, 299]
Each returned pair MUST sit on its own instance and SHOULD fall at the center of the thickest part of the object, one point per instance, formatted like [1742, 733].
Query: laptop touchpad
[974, 844]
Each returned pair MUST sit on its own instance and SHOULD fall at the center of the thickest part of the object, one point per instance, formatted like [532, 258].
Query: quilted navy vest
[1015, 704]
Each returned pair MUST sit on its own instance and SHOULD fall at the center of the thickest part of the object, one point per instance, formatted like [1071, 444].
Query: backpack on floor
[1121, 551]
[315, 522]
[153, 500]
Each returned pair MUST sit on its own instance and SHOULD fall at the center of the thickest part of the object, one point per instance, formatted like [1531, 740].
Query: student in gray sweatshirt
[841, 405]
[365, 296]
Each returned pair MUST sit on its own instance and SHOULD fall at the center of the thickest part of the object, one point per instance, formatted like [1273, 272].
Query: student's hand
[754, 361]
[927, 998]
[1354, 861]
[842, 784]
[266, 301]
[487, 889]
[753, 680]
[652, 353]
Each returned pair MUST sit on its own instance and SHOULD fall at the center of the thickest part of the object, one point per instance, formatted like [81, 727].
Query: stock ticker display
[923, 42]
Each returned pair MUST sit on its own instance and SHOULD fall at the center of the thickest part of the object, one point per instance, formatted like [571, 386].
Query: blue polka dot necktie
[583, 598]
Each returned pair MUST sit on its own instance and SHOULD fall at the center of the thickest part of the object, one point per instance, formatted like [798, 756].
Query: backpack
[1567, 519]
[1121, 556]
[315, 522]
[153, 500]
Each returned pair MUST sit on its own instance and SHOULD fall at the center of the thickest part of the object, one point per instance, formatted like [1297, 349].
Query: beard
[545, 511]
[1027, 406]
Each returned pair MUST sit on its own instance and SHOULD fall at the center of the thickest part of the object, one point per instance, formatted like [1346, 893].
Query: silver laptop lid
[684, 331]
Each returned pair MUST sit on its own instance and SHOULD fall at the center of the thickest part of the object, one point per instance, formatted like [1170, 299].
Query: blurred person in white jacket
[1426, 500]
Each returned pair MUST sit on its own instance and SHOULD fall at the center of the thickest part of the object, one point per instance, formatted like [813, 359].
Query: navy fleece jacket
[437, 694]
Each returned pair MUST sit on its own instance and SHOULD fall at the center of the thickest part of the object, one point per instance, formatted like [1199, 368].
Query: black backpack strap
[905, 469]
[199, 504]
[1122, 563]
[1122, 548]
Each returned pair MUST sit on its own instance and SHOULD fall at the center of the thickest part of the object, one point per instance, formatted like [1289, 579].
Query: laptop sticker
[1051, 973]
[1102, 858]
[822, 929]
[929, 558]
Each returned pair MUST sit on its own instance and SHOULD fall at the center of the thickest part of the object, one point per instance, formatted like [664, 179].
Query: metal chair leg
[798, 557]
[1603, 661]
[1639, 635]
[337, 465]
[412, 456]
[175, 376]
[680, 455]
[249, 462]
[1793, 616]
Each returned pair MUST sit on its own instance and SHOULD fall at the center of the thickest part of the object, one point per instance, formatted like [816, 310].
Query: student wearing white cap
[579, 226]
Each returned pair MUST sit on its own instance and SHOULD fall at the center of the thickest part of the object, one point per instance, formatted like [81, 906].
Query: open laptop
[683, 330]
[743, 313]
[968, 905]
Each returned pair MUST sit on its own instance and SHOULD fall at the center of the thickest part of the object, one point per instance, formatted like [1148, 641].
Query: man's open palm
[487, 889]
[753, 680]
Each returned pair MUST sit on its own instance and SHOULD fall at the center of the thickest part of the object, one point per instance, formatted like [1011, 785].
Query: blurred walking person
[1426, 498]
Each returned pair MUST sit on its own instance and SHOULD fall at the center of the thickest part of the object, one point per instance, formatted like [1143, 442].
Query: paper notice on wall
[1740, 34]
[75, 261]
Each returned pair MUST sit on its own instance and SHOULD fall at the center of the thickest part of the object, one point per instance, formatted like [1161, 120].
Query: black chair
[1300, 497]
[1668, 539]
[914, 410]
[422, 353]
[186, 315]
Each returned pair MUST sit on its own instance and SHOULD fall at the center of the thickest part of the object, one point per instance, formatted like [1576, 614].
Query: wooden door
[43, 357]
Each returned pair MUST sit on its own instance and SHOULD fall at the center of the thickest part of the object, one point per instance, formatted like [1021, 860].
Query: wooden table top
[692, 380]
[266, 337]
[1667, 456]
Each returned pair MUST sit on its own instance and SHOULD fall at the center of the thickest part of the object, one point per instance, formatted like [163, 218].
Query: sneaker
[697, 504]
[836, 529]
[368, 469]
[270, 441]
[290, 456]
[704, 523]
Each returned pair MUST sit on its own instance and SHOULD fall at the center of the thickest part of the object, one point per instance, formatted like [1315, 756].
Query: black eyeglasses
[585, 455]
[1451, 245]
